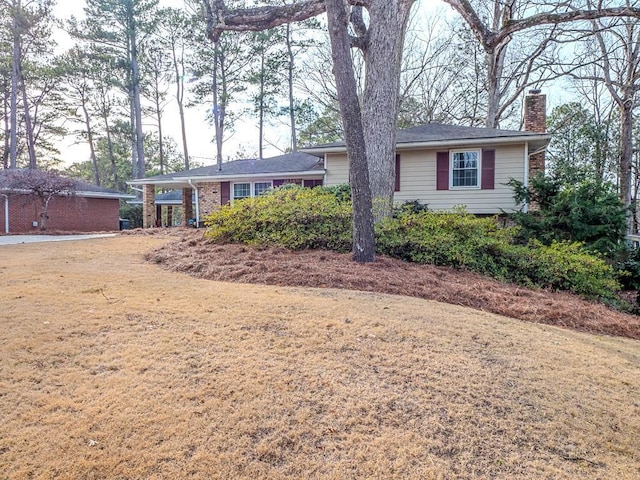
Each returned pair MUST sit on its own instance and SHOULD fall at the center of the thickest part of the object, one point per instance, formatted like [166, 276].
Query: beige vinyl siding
[418, 180]
[337, 169]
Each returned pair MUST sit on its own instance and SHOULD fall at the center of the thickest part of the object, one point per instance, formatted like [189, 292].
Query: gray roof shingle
[437, 132]
[80, 186]
[288, 163]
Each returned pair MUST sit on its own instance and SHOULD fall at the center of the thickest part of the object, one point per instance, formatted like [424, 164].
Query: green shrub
[587, 212]
[293, 217]
[342, 192]
[133, 213]
[298, 218]
[461, 240]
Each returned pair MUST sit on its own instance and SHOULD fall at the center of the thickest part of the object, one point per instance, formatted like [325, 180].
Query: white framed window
[465, 169]
[241, 190]
[260, 187]
[249, 189]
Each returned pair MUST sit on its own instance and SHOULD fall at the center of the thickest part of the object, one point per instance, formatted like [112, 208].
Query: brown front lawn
[111, 367]
[192, 253]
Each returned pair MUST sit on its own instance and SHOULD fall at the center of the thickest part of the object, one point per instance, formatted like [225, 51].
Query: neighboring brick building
[88, 209]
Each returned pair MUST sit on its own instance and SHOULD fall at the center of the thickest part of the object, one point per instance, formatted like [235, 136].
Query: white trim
[103, 195]
[6, 212]
[478, 185]
[251, 189]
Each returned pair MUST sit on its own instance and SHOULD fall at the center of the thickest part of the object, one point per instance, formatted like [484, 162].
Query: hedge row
[298, 218]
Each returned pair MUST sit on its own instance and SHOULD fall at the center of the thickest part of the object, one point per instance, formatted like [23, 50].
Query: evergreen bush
[293, 217]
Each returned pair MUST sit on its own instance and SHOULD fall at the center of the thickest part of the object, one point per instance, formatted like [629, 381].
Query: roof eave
[234, 178]
[544, 137]
[104, 195]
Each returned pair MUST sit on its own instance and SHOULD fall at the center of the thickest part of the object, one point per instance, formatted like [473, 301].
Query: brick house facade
[76, 213]
[88, 208]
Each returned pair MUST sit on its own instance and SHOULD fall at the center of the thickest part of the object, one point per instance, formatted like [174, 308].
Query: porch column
[187, 206]
[169, 216]
[148, 206]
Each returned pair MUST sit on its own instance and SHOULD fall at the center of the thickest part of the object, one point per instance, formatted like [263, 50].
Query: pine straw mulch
[195, 255]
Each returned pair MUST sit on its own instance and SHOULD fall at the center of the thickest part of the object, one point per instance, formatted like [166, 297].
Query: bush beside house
[297, 218]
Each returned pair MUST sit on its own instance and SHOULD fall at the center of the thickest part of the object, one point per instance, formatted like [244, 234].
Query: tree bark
[292, 115]
[157, 100]
[218, 109]
[15, 70]
[92, 148]
[383, 57]
[363, 232]
[137, 107]
[261, 108]
[626, 152]
[7, 129]
[33, 164]
[180, 100]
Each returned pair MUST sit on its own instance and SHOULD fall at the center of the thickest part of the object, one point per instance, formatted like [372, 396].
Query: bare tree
[370, 132]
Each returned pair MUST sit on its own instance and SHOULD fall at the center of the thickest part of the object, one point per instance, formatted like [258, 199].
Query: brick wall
[149, 216]
[79, 214]
[187, 205]
[535, 120]
[209, 196]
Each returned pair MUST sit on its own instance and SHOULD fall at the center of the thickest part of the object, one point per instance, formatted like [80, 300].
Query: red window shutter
[397, 185]
[442, 171]
[225, 193]
[488, 169]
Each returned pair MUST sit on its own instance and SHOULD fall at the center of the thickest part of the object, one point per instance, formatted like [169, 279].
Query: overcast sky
[199, 132]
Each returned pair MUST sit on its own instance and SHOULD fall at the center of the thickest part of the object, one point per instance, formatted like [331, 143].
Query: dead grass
[276, 266]
[113, 368]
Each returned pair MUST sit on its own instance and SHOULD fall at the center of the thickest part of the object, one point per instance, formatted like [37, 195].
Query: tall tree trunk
[261, 107]
[33, 164]
[92, 148]
[218, 109]
[7, 128]
[134, 150]
[112, 158]
[137, 106]
[292, 116]
[626, 152]
[380, 105]
[159, 119]
[363, 232]
[15, 71]
[495, 69]
[180, 100]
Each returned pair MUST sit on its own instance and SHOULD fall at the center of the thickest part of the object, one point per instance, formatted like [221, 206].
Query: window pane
[465, 169]
[260, 187]
[241, 190]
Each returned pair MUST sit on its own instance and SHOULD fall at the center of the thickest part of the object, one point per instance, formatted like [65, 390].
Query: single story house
[443, 166]
[206, 188]
[86, 208]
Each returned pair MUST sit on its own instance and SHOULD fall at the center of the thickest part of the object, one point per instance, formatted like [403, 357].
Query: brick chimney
[535, 120]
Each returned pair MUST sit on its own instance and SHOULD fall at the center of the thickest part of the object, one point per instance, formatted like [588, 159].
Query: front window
[465, 168]
[241, 190]
[260, 187]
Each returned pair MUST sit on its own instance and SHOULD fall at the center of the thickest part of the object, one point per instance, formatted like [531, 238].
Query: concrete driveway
[17, 239]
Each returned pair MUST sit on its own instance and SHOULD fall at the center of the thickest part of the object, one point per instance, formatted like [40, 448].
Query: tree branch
[491, 39]
[219, 18]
